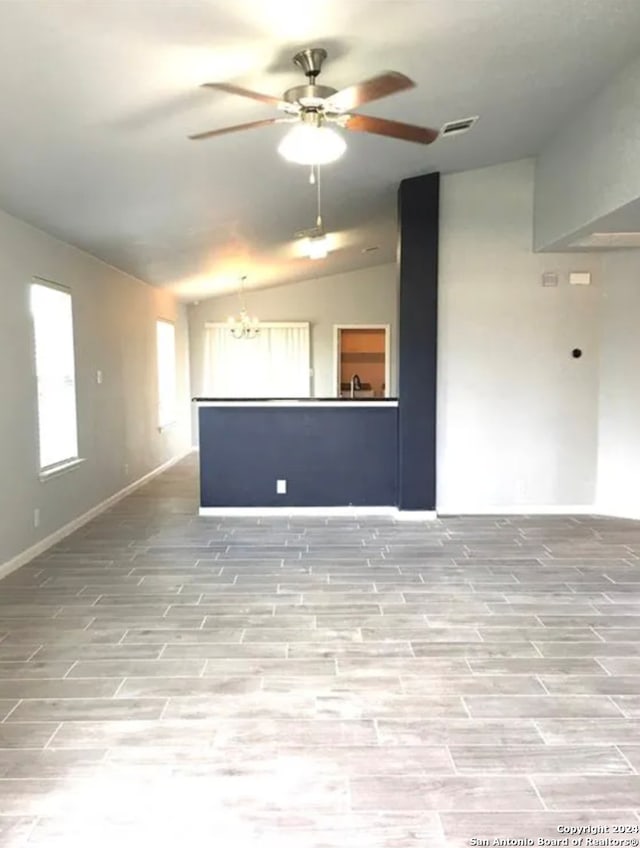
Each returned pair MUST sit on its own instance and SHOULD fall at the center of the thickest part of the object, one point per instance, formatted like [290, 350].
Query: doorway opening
[361, 355]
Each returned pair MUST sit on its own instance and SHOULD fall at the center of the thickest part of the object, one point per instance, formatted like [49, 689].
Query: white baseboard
[57, 536]
[416, 515]
[624, 511]
[519, 509]
[318, 511]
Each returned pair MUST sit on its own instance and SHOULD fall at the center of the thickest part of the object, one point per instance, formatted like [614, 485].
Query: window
[55, 374]
[274, 364]
[166, 345]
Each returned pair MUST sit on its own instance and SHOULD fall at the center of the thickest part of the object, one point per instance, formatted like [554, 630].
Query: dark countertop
[301, 400]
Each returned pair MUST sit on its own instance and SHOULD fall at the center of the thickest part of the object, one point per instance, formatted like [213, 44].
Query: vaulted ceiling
[98, 97]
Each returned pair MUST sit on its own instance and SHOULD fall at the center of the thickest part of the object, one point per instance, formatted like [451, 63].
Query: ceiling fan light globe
[307, 144]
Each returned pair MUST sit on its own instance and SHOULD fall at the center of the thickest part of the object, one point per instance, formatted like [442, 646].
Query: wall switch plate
[580, 278]
[98, 377]
[36, 517]
[281, 487]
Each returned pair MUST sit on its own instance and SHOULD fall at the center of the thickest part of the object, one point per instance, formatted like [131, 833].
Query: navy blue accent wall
[418, 216]
[330, 456]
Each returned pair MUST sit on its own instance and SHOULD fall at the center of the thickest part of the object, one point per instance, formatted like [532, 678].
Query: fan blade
[394, 129]
[237, 128]
[364, 92]
[243, 92]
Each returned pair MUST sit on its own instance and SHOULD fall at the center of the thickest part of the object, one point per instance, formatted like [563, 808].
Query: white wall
[369, 296]
[517, 416]
[592, 166]
[619, 440]
[114, 326]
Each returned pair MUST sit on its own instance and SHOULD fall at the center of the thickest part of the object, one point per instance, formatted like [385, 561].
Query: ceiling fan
[312, 106]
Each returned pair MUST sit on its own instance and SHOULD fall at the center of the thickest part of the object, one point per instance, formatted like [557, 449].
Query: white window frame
[167, 407]
[67, 462]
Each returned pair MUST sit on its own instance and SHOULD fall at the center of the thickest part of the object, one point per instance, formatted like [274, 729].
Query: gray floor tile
[559, 759]
[371, 704]
[278, 705]
[315, 683]
[226, 650]
[484, 650]
[48, 763]
[137, 668]
[621, 665]
[517, 684]
[256, 666]
[539, 706]
[591, 685]
[537, 665]
[86, 709]
[34, 669]
[628, 704]
[590, 649]
[180, 635]
[580, 792]
[168, 687]
[444, 793]
[457, 732]
[98, 652]
[89, 688]
[300, 650]
[26, 735]
[589, 730]
[632, 755]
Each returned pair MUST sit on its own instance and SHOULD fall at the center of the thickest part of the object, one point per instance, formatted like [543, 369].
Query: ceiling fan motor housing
[308, 95]
[311, 95]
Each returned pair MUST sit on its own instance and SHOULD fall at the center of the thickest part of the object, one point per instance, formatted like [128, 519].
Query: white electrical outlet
[580, 278]
[281, 487]
[36, 517]
[98, 377]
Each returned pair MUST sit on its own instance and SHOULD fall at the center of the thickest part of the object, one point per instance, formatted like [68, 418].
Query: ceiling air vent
[458, 127]
[609, 240]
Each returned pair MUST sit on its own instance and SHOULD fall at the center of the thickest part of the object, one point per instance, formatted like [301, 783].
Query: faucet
[355, 385]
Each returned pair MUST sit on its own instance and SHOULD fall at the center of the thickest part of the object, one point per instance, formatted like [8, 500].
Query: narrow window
[55, 373]
[166, 344]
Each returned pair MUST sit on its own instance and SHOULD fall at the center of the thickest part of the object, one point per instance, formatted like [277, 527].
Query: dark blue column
[418, 215]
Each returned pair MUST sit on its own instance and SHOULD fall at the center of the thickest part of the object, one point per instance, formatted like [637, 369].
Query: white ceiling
[98, 97]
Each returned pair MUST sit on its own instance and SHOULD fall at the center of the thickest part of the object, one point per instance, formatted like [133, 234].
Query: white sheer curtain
[274, 364]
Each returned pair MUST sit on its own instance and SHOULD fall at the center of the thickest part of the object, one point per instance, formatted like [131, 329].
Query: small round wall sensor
[576, 353]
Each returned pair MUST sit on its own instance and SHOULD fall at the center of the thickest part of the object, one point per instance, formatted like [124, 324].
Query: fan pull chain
[318, 195]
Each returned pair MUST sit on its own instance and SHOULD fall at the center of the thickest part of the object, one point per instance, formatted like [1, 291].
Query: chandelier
[244, 326]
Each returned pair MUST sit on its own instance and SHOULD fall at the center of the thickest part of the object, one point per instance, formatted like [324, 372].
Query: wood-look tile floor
[172, 680]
